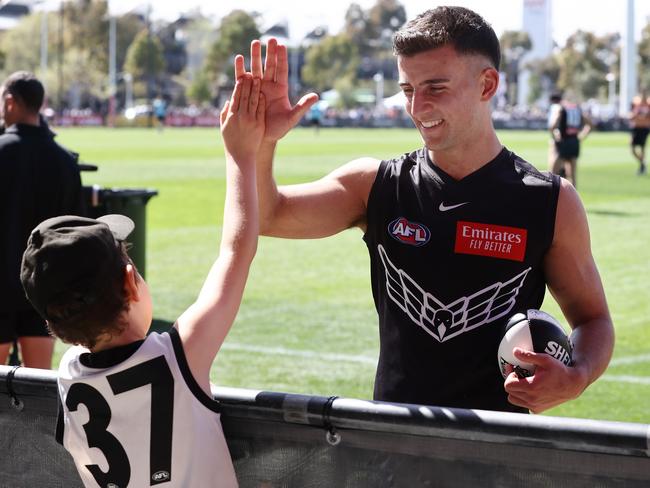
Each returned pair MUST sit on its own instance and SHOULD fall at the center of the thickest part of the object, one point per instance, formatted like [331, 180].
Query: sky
[599, 16]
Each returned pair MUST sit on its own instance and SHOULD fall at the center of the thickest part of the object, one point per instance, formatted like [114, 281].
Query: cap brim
[120, 225]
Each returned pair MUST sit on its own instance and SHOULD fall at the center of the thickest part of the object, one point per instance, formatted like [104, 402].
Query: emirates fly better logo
[496, 241]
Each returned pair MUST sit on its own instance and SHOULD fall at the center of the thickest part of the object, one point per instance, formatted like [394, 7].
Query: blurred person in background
[568, 128]
[639, 119]
[40, 179]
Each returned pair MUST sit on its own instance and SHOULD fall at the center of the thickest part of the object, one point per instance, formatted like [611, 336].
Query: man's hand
[281, 117]
[552, 384]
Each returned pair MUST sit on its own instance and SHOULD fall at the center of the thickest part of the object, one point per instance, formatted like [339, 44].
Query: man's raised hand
[281, 116]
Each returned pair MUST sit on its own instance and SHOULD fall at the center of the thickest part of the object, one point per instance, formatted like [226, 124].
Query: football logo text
[558, 352]
[408, 232]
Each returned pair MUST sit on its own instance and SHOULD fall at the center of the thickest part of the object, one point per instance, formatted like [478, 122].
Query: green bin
[131, 202]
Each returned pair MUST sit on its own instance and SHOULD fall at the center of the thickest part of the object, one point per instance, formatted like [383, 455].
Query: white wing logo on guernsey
[444, 322]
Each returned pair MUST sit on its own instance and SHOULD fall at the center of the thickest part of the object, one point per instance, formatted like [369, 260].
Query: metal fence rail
[288, 440]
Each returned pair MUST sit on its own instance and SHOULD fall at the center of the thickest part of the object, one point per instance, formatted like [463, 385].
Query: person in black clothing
[39, 179]
[461, 233]
[568, 128]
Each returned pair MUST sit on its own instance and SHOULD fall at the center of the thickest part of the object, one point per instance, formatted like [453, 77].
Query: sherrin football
[534, 331]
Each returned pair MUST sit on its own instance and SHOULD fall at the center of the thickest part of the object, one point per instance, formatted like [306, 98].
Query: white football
[534, 331]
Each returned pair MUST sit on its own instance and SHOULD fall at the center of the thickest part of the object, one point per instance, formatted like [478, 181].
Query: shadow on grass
[613, 213]
[160, 325]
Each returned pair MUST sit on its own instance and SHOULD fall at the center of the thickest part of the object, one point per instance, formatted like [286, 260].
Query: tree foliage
[644, 59]
[144, 57]
[372, 30]
[333, 59]
[199, 91]
[584, 63]
[514, 45]
[236, 31]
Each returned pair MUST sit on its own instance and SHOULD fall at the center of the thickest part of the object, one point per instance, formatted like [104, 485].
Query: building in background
[537, 22]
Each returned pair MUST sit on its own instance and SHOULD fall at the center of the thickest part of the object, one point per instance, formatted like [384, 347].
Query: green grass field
[307, 323]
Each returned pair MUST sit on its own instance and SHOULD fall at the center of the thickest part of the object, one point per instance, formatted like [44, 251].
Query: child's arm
[203, 327]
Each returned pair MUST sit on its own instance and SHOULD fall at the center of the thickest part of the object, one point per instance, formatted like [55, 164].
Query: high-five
[450, 228]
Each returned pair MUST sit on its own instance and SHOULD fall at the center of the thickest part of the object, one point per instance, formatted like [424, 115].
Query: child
[137, 410]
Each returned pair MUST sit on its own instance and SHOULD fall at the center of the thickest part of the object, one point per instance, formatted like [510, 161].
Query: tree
[127, 28]
[644, 59]
[199, 91]
[144, 60]
[236, 32]
[385, 18]
[26, 34]
[514, 45]
[584, 63]
[333, 59]
[372, 30]
[544, 75]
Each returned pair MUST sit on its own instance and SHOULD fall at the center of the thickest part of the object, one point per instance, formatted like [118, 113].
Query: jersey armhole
[58, 433]
[207, 401]
[372, 197]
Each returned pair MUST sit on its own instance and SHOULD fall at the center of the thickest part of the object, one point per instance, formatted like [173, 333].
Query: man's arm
[575, 284]
[587, 125]
[203, 327]
[554, 125]
[317, 209]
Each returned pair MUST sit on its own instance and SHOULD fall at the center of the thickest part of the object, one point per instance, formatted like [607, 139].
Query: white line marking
[638, 380]
[350, 358]
[643, 358]
[301, 354]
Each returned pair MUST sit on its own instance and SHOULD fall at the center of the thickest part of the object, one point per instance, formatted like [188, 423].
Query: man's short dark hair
[25, 87]
[556, 97]
[464, 29]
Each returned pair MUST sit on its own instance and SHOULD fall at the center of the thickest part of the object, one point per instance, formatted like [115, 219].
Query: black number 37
[154, 372]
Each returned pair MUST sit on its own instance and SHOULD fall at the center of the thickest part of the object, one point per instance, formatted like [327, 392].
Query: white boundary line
[638, 380]
[643, 358]
[321, 356]
[359, 359]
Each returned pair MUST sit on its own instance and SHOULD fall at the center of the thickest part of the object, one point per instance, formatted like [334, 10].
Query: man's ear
[489, 83]
[131, 283]
[10, 102]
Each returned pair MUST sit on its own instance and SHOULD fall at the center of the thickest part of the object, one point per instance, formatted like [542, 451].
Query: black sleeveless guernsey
[451, 261]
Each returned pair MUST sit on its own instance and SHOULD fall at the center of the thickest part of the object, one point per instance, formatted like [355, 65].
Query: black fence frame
[287, 440]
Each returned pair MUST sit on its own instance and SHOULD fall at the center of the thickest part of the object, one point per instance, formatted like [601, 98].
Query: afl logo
[160, 476]
[409, 232]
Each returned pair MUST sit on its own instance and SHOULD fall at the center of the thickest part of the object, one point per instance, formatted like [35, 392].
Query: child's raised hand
[242, 118]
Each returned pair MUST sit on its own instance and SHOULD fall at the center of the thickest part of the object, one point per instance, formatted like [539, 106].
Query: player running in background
[137, 410]
[461, 233]
[568, 129]
[639, 119]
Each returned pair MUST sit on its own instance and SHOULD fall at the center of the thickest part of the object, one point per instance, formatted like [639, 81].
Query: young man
[137, 410]
[461, 233]
[40, 179]
[569, 127]
[639, 118]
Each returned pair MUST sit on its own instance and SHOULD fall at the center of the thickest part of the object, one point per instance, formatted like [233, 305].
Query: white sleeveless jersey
[135, 417]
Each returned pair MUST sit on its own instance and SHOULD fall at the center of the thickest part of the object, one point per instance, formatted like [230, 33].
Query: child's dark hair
[462, 28]
[104, 316]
